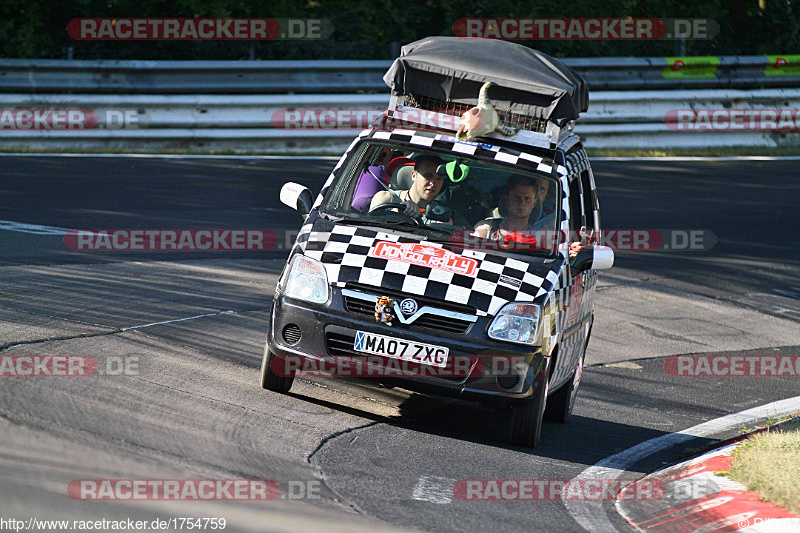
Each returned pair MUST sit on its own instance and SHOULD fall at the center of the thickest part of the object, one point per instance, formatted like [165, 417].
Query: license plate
[427, 354]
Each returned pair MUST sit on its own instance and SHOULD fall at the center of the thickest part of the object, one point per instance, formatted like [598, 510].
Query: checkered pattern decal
[568, 351]
[577, 162]
[540, 163]
[344, 250]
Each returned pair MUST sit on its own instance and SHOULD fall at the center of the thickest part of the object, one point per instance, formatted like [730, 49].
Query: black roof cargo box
[453, 69]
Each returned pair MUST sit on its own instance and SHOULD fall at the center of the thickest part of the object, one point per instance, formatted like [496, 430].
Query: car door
[579, 294]
[591, 213]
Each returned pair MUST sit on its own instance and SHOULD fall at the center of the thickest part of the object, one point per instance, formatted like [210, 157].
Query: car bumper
[498, 371]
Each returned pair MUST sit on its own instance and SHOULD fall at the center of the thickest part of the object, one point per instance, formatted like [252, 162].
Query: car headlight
[516, 323]
[306, 280]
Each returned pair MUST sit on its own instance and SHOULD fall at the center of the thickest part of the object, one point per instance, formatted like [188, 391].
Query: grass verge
[769, 464]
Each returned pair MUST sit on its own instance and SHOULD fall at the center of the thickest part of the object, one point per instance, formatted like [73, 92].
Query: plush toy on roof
[482, 119]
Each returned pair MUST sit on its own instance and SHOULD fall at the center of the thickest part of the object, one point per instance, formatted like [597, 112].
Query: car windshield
[447, 197]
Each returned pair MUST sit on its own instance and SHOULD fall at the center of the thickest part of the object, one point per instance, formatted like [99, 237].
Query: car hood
[401, 262]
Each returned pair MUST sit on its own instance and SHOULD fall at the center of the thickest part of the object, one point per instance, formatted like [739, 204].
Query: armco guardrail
[318, 77]
[299, 106]
[327, 123]
[191, 77]
[732, 72]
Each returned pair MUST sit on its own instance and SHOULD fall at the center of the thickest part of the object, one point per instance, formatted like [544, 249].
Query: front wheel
[270, 380]
[561, 403]
[526, 417]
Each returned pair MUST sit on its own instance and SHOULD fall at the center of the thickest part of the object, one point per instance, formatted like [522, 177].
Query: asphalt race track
[178, 338]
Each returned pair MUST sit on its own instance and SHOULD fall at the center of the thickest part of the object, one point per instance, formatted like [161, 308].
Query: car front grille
[341, 344]
[431, 321]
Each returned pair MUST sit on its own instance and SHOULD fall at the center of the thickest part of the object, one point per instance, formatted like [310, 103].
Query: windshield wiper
[418, 226]
[390, 225]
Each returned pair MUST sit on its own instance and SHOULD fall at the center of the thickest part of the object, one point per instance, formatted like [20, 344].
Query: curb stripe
[591, 516]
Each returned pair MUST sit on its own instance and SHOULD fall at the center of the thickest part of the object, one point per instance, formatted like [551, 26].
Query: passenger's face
[520, 201]
[427, 182]
[544, 186]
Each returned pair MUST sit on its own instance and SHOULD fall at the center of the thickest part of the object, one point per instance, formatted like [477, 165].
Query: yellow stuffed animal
[384, 310]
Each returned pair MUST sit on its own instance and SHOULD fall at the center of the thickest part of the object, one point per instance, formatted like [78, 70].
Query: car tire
[527, 417]
[560, 404]
[269, 379]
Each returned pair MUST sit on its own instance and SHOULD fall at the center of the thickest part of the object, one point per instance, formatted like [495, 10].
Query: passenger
[425, 187]
[547, 201]
[521, 196]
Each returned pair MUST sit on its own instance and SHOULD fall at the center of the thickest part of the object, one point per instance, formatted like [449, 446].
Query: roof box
[452, 70]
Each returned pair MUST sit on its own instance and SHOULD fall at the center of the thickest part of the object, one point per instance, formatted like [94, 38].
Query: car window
[459, 196]
[589, 200]
[576, 218]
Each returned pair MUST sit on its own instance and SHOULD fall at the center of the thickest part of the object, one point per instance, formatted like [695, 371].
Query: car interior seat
[368, 186]
[402, 179]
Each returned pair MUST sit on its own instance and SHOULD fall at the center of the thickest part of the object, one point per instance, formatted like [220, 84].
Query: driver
[426, 185]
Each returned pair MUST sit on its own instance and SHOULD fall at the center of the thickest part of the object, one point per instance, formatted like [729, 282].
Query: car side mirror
[297, 197]
[596, 256]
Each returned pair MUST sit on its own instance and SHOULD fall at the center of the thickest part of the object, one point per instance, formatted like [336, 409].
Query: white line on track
[177, 320]
[36, 229]
[592, 517]
[434, 489]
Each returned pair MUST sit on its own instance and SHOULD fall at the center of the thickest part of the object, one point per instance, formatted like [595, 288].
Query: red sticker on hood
[425, 255]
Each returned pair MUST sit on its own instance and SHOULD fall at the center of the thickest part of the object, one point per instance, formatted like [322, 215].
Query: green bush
[366, 30]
